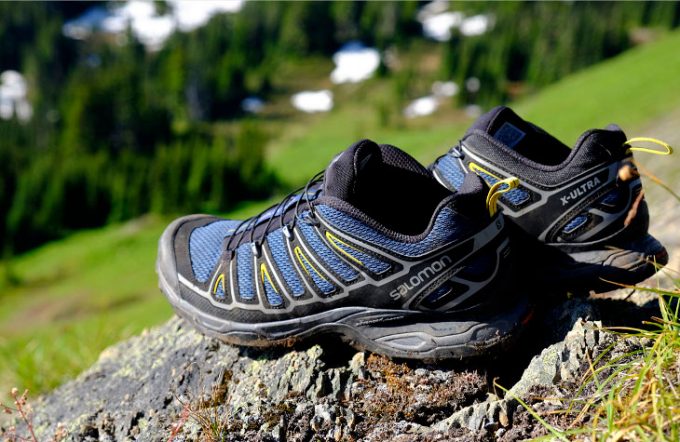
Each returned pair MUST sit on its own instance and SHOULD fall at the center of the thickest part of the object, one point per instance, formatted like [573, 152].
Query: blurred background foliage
[117, 135]
[119, 131]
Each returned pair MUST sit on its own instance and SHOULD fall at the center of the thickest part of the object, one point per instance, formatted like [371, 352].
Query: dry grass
[23, 412]
[631, 396]
[640, 399]
[205, 411]
[635, 395]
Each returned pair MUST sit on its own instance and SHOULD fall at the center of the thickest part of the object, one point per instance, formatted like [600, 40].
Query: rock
[172, 380]
[557, 363]
[562, 361]
[173, 377]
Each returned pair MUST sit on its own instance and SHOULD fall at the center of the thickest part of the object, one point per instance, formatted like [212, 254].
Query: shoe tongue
[347, 168]
[359, 166]
[527, 139]
[504, 125]
[385, 184]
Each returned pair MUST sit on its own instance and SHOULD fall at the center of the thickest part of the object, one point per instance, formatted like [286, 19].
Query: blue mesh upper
[277, 246]
[435, 295]
[370, 262]
[575, 223]
[205, 247]
[332, 260]
[244, 261]
[220, 290]
[451, 169]
[324, 285]
[611, 197]
[515, 196]
[273, 297]
[447, 227]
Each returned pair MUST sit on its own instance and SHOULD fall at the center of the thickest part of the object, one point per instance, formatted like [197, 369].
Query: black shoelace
[279, 209]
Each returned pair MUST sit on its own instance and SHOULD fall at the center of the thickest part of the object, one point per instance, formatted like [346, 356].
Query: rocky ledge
[172, 383]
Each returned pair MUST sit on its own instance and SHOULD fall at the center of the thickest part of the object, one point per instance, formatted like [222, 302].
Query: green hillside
[630, 90]
[61, 304]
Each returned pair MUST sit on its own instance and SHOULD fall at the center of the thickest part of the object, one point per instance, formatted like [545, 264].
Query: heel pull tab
[497, 190]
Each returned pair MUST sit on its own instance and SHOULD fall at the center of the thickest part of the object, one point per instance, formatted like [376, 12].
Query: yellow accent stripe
[668, 150]
[334, 240]
[264, 273]
[476, 168]
[300, 257]
[496, 191]
[220, 279]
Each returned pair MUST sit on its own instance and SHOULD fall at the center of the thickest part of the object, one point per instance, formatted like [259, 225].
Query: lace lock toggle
[498, 189]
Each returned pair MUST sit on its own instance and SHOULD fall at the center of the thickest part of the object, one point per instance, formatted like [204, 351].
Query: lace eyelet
[456, 151]
[287, 232]
[310, 219]
[256, 248]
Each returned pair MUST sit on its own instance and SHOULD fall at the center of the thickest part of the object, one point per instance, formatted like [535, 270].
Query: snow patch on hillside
[439, 22]
[141, 17]
[354, 62]
[13, 97]
[313, 101]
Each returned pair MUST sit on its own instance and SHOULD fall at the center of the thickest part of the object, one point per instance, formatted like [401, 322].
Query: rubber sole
[394, 333]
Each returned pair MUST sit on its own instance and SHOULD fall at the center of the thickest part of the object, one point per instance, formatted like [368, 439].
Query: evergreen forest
[118, 130]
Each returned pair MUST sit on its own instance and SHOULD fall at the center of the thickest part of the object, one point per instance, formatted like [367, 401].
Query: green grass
[631, 396]
[72, 298]
[61, 304]
[642, 400]
[630, 90]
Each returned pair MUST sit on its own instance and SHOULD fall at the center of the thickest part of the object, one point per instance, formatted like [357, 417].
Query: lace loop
[668, 150]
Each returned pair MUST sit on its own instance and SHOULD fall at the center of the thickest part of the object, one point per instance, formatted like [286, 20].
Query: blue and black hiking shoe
[376, 250]
[585, 205]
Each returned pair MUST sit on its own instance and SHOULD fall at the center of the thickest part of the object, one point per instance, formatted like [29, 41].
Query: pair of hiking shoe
[414, 262]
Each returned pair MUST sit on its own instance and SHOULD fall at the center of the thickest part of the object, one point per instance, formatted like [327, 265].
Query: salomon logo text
[422, 276]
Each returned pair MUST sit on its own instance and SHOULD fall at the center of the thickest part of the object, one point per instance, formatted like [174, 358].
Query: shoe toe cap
[174, 250]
